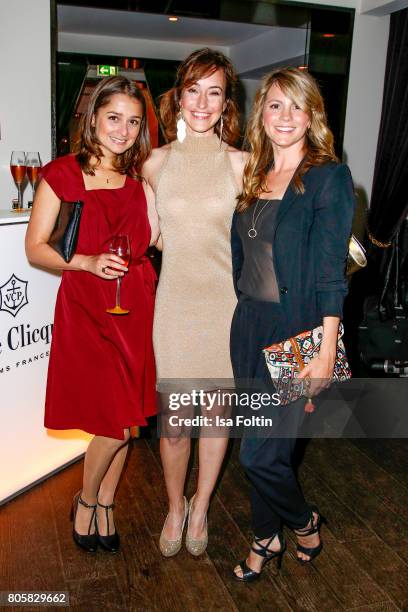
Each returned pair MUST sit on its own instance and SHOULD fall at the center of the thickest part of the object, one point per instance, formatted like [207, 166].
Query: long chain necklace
[252, 233]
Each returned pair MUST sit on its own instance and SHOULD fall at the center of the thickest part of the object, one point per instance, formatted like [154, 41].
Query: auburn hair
[88, 146]
[200, 65]
[303, 89]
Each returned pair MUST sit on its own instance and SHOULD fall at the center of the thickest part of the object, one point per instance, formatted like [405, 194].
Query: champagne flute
[119, 245]
[18, 170]
[33, 163]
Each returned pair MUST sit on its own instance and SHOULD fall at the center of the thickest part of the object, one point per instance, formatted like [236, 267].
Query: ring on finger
[104, 269]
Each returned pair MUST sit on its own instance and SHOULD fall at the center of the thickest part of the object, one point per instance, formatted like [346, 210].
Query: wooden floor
[360, 486]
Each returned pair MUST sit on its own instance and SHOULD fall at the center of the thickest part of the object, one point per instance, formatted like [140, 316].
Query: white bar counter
[8, 217]
[28, 452]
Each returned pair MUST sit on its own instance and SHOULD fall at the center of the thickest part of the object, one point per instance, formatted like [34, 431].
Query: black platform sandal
[314, 527]
[249, 575]
[110, 542]
[88, 542]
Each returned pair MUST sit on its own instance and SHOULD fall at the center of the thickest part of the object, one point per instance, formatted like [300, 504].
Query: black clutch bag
[64, 236]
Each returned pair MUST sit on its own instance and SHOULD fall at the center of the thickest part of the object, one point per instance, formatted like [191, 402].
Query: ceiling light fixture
[173, 18]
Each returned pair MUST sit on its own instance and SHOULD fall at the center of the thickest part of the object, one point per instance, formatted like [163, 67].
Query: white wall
[364, 101]
[25, 99]
[268, 48]
[381, 7]
[134, 47]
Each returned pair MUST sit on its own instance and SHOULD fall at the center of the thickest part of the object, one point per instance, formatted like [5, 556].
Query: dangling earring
[221, 128]
[181, 127]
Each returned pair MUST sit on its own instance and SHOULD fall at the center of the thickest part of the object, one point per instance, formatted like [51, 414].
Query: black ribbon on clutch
[64, 236]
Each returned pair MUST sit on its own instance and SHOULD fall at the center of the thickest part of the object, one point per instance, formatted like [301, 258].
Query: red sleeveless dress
[101, 375]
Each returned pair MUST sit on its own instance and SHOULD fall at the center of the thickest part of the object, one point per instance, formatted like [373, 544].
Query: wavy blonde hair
[302, 88]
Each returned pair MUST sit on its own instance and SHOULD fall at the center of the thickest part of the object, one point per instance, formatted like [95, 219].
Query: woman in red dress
[101, 376]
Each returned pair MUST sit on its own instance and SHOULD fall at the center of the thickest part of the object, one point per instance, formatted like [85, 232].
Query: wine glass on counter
[33, 163]
[119, 245]
[18, 170]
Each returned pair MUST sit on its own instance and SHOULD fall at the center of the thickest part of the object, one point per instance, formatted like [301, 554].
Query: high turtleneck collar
[199, 144]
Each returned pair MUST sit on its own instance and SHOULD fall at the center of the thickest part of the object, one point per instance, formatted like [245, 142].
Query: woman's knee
[114, 444]
[175, 442]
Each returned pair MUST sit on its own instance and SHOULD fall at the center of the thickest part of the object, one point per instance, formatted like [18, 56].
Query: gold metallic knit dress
[196, 197]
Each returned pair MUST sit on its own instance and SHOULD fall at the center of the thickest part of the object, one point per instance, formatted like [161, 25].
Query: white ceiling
[129, 24]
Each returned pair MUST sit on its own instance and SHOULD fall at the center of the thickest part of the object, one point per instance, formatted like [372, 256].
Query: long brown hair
[199, 65]
[87, 146]
[302, 88]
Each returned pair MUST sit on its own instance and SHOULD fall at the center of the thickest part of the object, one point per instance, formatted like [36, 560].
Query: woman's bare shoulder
[161, 150]
[155, 160]
[157, 154]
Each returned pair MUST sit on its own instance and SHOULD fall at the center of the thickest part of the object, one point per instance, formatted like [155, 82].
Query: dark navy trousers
[268, 457]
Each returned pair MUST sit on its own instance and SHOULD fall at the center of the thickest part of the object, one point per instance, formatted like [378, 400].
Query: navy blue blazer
[310, 247]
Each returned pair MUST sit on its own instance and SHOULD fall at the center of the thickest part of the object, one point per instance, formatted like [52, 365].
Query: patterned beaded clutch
[285, 361]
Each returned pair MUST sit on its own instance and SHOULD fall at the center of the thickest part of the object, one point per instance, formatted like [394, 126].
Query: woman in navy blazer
[290, 238]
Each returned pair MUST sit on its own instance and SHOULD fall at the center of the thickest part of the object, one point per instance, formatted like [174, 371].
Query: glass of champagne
[18, 170]
[33, 163]
[119, 245]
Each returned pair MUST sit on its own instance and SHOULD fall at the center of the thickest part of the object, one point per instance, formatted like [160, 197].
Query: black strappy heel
[110, 542]
[315, 524]
[88, 542]
[249, 575]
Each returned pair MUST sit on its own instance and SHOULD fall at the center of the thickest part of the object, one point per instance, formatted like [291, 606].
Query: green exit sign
[107, 71]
